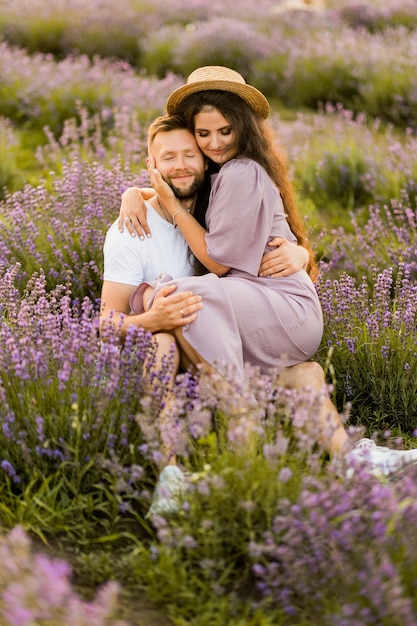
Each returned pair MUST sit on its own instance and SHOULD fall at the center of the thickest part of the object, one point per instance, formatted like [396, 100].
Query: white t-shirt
[130, 261]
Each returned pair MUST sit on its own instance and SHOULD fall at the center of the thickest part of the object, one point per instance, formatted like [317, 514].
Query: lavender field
[272, 536]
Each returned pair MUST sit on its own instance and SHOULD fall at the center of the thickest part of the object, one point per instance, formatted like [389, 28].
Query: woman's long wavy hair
[256, 140]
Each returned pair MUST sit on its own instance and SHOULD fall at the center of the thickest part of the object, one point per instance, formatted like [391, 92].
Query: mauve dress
[266, 322]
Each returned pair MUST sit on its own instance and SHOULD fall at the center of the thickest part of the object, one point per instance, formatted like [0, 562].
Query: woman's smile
[215, 136]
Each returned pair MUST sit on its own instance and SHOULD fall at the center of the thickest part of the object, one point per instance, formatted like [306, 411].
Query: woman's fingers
[152, 171]
[132, 225]
[132, 214]
[137, 226]
[161, 187]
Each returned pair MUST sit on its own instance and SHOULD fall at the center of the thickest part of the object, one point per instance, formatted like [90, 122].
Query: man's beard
[191, 192]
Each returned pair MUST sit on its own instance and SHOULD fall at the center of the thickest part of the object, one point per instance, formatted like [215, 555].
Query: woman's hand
[165, 194]
[192, 231]
[133, 211]
[285, 259]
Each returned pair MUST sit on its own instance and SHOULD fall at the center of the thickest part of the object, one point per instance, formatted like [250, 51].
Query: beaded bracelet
[176, 213]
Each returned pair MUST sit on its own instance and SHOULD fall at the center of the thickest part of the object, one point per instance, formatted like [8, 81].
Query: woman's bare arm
[192, 231]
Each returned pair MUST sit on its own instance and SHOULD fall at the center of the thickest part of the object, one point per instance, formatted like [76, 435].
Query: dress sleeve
[239, 219]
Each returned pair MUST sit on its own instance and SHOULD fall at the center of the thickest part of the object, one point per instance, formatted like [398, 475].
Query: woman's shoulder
[243, 167]
[241, 162]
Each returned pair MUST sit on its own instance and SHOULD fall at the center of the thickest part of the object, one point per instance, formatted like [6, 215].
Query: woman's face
[215, 137]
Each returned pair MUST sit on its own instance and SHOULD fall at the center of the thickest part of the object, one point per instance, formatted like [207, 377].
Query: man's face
[179, 161]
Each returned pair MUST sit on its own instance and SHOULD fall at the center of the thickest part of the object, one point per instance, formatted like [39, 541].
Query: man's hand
[172, 309]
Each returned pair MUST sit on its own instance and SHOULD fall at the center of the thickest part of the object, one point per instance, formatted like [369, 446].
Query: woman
[279, 322]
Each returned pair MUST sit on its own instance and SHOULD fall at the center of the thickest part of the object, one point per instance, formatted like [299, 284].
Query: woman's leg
[241, 423]
[332, 433]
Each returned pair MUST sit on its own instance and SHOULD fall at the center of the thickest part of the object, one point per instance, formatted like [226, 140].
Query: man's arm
[169, 310]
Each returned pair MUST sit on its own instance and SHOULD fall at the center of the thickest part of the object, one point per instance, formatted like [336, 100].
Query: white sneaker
[380, 461]
[168, 492]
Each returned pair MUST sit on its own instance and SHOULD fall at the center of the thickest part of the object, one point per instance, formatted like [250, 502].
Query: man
[129, 262]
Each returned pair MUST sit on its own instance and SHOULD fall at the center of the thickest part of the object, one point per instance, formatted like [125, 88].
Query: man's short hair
[165, 123]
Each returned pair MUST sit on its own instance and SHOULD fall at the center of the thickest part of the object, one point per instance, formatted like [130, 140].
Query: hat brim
[252, 96]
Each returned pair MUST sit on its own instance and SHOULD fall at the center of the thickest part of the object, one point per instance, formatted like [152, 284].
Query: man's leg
[166, 347]
[171, 482]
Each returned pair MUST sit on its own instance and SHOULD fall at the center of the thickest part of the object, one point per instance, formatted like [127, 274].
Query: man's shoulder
[114, 235]
[112, 230]
[119, 243]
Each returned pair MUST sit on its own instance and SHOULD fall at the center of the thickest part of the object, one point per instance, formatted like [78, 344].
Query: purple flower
[10, 470]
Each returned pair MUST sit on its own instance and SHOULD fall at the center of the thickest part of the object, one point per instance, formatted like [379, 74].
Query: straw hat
[224, 79]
